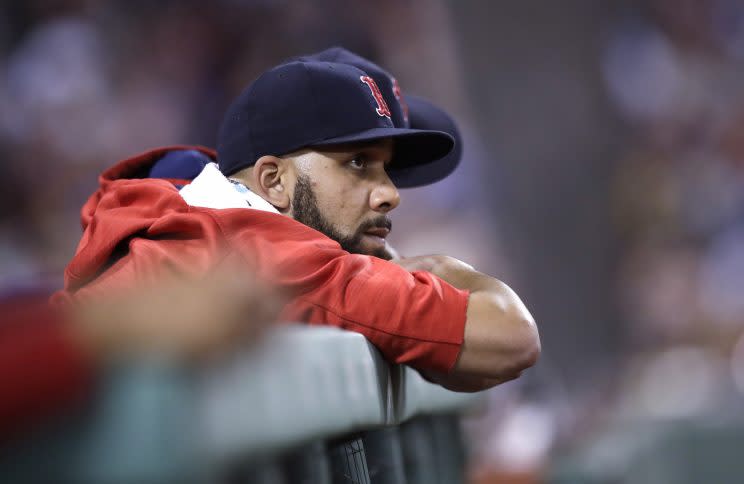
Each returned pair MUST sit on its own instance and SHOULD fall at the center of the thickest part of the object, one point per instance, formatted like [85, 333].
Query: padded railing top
[159, 422]
[306, 382]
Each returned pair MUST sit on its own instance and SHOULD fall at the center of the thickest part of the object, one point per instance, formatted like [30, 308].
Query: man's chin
[374, 248]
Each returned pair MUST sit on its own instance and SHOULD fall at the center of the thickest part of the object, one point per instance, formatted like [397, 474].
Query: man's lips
[380, 232]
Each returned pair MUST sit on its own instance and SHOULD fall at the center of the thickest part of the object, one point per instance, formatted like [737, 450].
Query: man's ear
[270, 178]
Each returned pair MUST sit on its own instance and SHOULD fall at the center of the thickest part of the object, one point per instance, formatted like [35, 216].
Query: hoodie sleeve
[414, 318]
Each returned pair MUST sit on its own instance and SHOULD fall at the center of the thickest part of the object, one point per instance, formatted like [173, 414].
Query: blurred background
[603, 179]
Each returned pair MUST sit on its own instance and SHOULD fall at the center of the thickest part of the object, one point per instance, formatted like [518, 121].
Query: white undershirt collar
[211, 189]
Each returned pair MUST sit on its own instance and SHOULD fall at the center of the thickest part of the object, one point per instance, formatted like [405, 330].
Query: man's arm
[501, 338]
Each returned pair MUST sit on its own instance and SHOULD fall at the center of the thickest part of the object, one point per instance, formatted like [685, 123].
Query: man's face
[345, 193]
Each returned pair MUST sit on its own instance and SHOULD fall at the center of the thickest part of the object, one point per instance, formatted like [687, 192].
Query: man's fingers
[418, 263]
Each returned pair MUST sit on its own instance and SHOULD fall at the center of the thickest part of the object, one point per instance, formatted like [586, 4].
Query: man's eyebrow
[372, 148]
[362, 145]
[356, 148]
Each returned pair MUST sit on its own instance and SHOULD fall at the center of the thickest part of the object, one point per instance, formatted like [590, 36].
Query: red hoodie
[134, 227]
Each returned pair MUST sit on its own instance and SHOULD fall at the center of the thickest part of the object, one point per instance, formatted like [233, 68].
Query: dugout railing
[309, 404]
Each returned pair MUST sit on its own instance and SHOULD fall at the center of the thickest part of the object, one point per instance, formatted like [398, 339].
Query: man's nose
[384, 197]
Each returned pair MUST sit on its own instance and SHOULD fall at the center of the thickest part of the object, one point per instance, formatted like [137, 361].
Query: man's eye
[358, 163]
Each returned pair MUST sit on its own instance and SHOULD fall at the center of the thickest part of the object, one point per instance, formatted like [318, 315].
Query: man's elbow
[523, 354]
[528, 347]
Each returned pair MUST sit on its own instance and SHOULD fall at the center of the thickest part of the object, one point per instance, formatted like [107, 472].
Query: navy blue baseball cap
[388, 84]
[303, 104]
[407, 111]
[423, 114]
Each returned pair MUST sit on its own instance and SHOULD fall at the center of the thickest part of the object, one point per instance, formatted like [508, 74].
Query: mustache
[381, 222]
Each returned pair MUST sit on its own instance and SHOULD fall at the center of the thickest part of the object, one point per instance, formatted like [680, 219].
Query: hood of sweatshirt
[132, 202]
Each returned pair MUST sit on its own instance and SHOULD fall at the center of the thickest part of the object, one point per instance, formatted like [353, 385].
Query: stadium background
[602, 178]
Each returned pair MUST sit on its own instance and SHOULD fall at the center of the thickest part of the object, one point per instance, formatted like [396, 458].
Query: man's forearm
[501, 338]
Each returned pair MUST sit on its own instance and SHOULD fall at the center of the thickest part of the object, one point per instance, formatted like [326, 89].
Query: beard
[305, 210]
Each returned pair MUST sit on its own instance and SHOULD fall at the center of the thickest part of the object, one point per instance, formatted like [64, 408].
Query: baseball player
[307, 159]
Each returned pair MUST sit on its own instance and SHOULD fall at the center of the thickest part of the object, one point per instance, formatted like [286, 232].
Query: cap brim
[425, 115]
[413, 147]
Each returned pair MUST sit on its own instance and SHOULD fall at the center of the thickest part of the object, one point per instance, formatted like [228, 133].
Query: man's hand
[418, 263]
[433, 263]
[456, 272]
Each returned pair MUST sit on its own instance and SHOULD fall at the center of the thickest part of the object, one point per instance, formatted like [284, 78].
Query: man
[310, 149]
